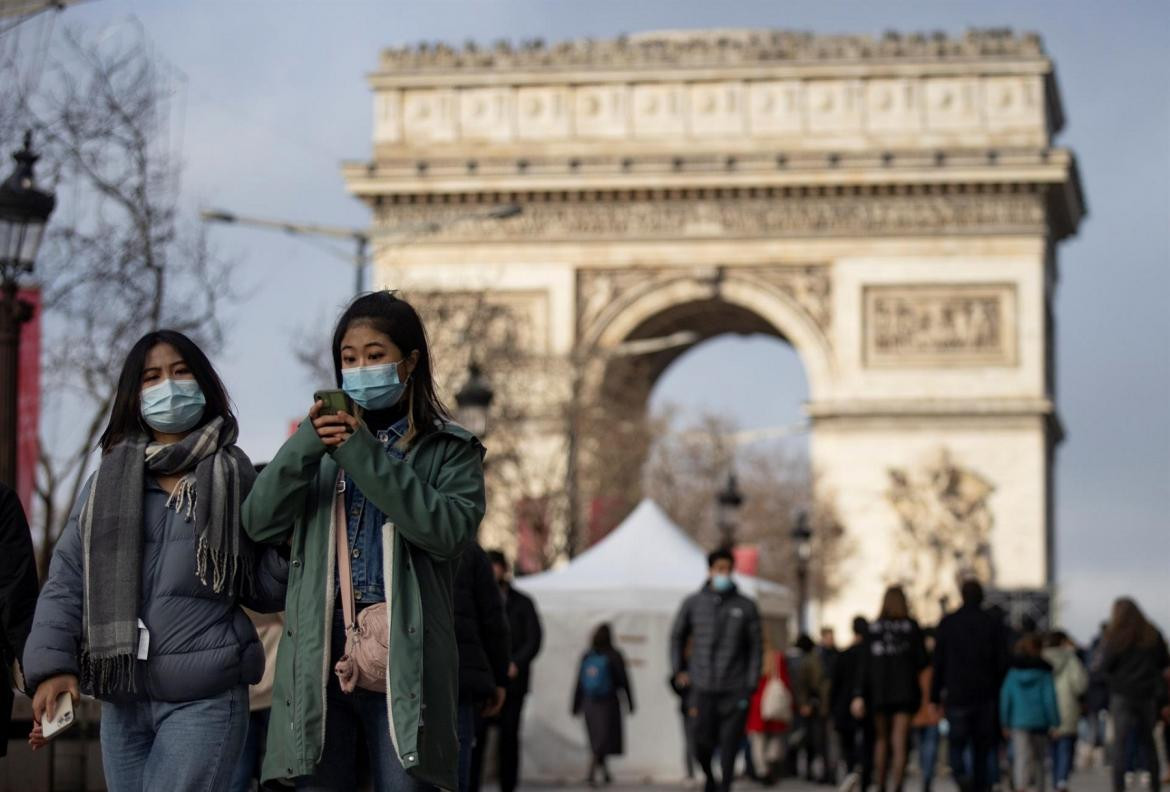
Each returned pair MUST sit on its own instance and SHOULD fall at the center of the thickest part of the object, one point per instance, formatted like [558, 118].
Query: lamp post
[802, 544]
[474, 399]
[24, 211]
[728, 502]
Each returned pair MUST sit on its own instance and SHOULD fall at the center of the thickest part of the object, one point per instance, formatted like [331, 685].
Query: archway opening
[675, 422]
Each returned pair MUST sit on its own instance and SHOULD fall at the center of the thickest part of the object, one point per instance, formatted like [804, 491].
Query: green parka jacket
[434, 501]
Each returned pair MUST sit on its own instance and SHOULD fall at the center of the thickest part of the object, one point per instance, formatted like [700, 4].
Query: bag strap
[343, 567]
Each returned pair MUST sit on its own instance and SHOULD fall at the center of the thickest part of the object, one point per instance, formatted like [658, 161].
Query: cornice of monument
[714, 48]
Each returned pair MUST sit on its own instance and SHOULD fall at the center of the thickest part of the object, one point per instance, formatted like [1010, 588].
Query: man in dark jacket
[970, 660]
[856, 735]
[724, 665]
[18, 598]
[524, 625]
[481, 630]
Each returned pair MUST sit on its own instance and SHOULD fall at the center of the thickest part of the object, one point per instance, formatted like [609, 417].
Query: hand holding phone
[333, 417]
[62, 718]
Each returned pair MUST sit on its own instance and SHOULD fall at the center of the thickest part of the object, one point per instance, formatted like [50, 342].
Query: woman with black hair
[141, 607]
[887, 685]
[390, 494]
[1134, 659]
[600, 678]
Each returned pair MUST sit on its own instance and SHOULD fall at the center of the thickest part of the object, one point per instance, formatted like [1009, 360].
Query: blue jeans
[1062, 759]
[346, 715]
[186, 746]
[926, 738]
[466, 730]
[247, 773]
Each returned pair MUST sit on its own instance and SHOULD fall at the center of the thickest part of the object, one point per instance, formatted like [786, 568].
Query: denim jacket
[364, 530]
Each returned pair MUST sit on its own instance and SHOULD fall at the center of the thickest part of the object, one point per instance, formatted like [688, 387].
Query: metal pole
[11, 316]
[360, 261]
[802, 597]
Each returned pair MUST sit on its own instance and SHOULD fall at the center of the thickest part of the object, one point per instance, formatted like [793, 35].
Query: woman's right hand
[45, 703]
[332, 429]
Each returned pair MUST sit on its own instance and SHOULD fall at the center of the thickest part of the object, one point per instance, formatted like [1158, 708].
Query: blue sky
[275, 98]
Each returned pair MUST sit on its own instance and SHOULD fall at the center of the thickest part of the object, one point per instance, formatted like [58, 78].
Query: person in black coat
[18, 597]
[1134, 658]
[970, 661]
[524, 626]
[481, 631]
[887, 684]
[855, 734]
[600, 678]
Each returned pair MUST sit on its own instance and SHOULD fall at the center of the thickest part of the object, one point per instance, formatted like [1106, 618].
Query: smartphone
[335, 401]
[63, 718]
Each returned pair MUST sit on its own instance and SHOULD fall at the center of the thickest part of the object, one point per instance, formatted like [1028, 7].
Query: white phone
[63, 718]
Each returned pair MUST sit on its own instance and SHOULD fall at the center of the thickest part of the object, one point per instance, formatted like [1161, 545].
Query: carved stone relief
[957, 325]
[946, 530]
[747, 217]
[603, 292]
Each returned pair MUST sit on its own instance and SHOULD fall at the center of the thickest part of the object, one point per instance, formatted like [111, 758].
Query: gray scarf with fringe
[218, 476]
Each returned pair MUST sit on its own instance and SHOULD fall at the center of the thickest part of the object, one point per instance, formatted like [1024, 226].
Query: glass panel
[7, 229]
[32, 243]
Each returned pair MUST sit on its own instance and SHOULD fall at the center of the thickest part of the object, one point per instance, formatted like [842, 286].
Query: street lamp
[24, 211]
[728, 502]
[802, 543]
[474, 399]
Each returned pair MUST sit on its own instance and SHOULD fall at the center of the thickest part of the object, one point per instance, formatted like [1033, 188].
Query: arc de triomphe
[891, 207]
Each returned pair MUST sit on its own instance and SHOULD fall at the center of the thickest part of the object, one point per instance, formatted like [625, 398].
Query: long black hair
[126, 414]
[388, 313]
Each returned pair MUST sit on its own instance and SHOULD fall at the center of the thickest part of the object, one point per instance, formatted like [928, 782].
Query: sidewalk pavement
[1090, 780]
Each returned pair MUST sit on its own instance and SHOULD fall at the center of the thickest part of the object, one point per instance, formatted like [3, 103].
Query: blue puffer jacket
[201, 643]
[1027, 700]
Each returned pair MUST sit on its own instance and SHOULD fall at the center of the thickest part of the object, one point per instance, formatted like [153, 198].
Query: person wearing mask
[481, 629]
[376, 507]
[855, 734]
[1071, 681]
[970, 660]
[142, 605]
[1028, 712]
[527, 636]
[811, 691]
[18, 599]
[1134, 660]
[925, 723]
[601, 681]
[724, 666]
[887, 684]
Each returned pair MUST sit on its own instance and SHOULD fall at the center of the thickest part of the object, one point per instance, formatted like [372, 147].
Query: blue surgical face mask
[373, 387]
[721, 582]
[173, 406]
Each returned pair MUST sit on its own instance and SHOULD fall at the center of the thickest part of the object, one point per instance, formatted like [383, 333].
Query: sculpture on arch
[946, 530]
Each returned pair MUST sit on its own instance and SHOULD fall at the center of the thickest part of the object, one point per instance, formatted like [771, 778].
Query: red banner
[28, 401]
[747, 559]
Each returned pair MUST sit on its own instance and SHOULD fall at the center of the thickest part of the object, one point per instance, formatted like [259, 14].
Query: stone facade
[891, 207]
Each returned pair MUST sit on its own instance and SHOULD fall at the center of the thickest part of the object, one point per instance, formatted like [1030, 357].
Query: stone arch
[779, 312]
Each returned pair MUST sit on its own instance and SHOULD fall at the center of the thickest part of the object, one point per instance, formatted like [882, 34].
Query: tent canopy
[635, 580]
[647, 556]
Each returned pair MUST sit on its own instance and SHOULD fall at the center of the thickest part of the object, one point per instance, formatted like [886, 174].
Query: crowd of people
[996, 695]
[327, 620]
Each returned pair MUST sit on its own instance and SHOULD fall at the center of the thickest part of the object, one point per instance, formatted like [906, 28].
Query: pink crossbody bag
[367, 645]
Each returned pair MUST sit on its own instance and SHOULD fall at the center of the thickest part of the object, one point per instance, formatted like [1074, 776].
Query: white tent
[635, 579]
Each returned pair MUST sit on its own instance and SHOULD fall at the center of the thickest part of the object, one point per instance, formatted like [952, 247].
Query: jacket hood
[1031, 677]
[1058, 657]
